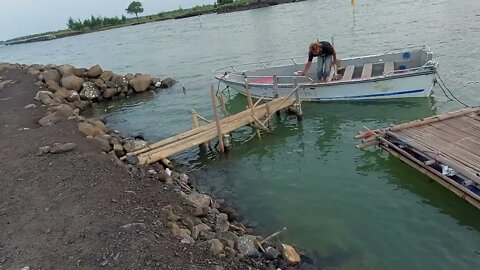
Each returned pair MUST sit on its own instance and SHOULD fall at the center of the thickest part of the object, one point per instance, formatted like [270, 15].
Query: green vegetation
[94, 23]
[135, 7]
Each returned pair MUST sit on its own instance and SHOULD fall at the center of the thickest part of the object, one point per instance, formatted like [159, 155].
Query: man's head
[315, 48]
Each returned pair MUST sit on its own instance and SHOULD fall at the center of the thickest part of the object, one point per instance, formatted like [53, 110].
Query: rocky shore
[67, 201]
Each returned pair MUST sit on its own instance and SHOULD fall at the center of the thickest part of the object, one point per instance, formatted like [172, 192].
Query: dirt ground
[69, 210]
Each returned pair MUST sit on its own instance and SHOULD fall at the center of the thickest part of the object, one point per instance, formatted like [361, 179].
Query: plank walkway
[205, 133]
[451, 139]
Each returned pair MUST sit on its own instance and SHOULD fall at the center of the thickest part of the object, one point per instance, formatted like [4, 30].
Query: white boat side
[394, 74]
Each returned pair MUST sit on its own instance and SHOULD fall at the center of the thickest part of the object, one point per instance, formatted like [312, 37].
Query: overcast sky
[25, 17]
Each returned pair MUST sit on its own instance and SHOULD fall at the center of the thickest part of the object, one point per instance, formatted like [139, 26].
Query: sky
[26, 17]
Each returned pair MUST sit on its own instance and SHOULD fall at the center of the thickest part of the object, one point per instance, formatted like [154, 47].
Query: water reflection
[404, 177]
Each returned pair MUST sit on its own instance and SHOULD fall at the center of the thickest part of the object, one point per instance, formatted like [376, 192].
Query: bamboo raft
[444, 147]
[256, 116]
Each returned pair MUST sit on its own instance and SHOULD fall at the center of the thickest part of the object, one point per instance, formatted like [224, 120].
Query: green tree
[224, 2]
[135, 7]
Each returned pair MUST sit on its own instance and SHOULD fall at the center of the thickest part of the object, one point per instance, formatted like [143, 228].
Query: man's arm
[307, 67]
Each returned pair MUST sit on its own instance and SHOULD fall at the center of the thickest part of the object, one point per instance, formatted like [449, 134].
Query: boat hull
[418, 85]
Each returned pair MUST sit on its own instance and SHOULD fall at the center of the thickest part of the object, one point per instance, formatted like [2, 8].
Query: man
[326, 55]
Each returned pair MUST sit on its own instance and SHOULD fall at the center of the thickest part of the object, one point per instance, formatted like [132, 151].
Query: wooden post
[268, 114]
[250, 105]
[222, 104]
[298, 104]
[275, 91]
[217, 120]
[202, 146]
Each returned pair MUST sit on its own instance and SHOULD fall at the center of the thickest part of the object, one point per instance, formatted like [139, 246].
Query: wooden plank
[470, 121]
[367, 70]
[472, 131]
[388, 67]
[436, 144]
[462, 133]
[347, 75]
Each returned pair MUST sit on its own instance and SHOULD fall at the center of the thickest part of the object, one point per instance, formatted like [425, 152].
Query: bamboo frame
[217, 119]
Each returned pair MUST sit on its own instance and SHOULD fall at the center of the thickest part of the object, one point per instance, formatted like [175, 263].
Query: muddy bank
[68, 202]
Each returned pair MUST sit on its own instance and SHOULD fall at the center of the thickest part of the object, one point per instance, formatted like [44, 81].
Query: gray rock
[132, 158]
[53, 86]
[80, 72]
[30, 106]
[200, 228]
[246, 245]
[66, 70]
[51, 75]
[72, 82]
[110, 92]
[88, 129]
[168, 82]
[106, 75]
[141, 83]
[221, 223]
[101, 143]
[134, 145]
[89, 91]
[94, 71]
[58, 148]
[198, 199]
[58, 113]
[271, 253]
[216, 247]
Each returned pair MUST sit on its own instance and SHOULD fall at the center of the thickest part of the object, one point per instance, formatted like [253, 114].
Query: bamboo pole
[297, 101]
[217, 120]
[195, 117]
[285, 99]
[222, 104]
[250, 105]
[432, 119]
[432, 173]
[204, 119]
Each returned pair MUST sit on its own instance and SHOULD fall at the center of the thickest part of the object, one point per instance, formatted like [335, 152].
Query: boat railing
[263, 63]
[428, 65]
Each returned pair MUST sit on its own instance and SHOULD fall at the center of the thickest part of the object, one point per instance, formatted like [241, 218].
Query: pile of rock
[80, 85]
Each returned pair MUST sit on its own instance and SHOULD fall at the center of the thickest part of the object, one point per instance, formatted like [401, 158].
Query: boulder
[110, 92]
[140, 83]
[198, 229]
[58, 148]
[66, 70]
[51, 75]
[106, 75]
[246, 245]
[73, 96]
[89, 91]
[134, 145]
[221, 223]
[62, 93]
[94, 71]
[290, 255]
[198, 199]
[101, 143]
[88, 129]
[216, 247]
[57, 114]
[168, 82]
[80, 72]
[53, 86]
[100, 84]
[72, 82]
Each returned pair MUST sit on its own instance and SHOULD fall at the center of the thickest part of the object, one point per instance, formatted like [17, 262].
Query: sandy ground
[69, 210]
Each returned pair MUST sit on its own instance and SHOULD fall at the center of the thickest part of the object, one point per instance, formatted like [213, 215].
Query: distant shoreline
[192, 12]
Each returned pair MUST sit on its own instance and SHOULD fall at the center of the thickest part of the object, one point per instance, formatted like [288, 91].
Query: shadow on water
[405, 177]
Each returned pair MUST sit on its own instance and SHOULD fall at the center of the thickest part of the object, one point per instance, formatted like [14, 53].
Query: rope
[445, 88]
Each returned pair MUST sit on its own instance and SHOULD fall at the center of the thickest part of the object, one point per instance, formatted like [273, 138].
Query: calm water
[351, 209]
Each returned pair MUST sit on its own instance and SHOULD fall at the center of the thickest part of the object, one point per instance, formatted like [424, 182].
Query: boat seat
[347, 75]
[367, 71]
[388, 67]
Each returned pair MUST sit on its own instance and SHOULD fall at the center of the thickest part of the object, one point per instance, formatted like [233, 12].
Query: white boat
[400, 73]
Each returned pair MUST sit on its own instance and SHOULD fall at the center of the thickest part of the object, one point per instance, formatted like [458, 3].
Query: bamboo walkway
[445, 147]
[256, 115]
